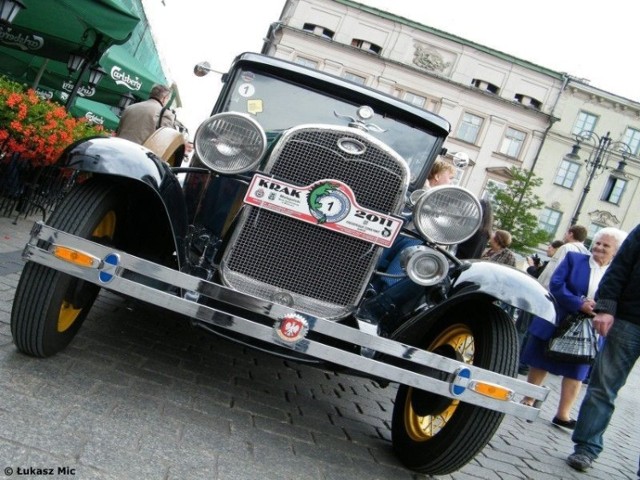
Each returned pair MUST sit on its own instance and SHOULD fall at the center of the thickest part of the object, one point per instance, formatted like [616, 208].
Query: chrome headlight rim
[215, 147]
[463, 210]
[412, 261]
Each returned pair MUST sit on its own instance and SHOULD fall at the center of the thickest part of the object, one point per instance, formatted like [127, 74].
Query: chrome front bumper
[106, 267]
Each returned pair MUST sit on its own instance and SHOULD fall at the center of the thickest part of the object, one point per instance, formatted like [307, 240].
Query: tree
[512, 207]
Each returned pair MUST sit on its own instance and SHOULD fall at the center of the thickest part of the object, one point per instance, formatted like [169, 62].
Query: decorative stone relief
[429, 59]
[602, 217]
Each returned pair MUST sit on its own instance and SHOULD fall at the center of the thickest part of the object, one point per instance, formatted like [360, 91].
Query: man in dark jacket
[140, 120]
[618, 318]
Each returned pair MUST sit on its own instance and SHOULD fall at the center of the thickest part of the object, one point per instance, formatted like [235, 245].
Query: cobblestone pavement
[140, 394]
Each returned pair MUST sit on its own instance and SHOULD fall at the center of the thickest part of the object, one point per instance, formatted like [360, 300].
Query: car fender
[480, 284]
[507, 284]
[116, 156]
[122, 158]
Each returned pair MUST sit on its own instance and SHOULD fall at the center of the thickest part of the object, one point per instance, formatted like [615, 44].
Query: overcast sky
[598, 42]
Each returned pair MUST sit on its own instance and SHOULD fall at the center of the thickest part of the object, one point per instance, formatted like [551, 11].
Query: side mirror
[203, 68]
[461, 160]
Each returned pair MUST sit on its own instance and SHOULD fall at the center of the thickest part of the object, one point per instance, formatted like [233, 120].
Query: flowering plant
[35, 129]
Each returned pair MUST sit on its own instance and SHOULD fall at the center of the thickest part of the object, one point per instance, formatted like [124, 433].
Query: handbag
[575, 340]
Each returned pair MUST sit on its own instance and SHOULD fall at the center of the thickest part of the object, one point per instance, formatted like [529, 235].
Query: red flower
[16, 125]
[14, 99]
[38, 130]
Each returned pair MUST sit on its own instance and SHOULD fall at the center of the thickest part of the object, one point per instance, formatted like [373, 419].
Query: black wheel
[49, 307]
[437, 435]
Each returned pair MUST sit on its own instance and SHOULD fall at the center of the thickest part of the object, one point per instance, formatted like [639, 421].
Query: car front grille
[286, 260]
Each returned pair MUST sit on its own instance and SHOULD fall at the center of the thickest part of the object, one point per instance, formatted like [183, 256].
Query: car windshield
[271, 101]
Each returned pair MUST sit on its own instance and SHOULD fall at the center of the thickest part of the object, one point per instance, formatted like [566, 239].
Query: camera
[536, 259]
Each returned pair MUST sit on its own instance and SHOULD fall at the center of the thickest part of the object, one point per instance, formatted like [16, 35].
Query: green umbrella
[95, 112]
[125, 74]
[55, 28]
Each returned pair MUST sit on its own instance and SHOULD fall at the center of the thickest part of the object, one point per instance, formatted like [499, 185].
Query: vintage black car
[273, 237]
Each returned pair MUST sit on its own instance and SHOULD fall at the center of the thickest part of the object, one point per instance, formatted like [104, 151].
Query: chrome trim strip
[410, 355]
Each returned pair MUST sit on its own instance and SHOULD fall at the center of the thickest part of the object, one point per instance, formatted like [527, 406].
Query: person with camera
[536, 265]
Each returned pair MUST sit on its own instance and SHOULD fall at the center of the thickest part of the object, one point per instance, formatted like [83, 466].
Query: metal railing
[26, 189]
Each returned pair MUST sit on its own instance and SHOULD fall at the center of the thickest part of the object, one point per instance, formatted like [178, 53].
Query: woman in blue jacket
[573, 285]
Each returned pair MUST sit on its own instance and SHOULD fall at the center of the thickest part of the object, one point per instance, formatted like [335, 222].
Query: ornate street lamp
[89, 57]
[96, 73]
[125, 100]
[9, 9]
[76, 61]
[597, 162]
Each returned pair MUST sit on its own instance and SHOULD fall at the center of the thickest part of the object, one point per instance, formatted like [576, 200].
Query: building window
[352, 77]
[484, 85]
[528, 101]
[368, 46]
[567, 174]
[413, 99]
[307, 62]
[469, 129]
[318, 30]
[586, 122]
[549, 220]
[457, 180]
[632, 139]
[592, 229]
[613, 190]
[492, 185]
[512, 143]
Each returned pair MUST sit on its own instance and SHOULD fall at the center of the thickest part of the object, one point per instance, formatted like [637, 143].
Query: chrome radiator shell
[286, 261]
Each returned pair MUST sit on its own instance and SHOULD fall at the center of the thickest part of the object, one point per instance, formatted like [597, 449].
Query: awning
[95, 112]
[125, 74]
[55, 28]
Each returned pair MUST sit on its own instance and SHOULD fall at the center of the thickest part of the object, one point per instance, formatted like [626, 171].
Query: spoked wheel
[49, 307]
[437, 435]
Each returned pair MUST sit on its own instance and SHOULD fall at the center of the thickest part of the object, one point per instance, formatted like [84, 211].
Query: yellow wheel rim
[419, 428]
[107, 226]
[67, 316]
[68, 312]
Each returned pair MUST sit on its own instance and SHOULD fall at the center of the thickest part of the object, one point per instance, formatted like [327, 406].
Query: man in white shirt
[573, 242]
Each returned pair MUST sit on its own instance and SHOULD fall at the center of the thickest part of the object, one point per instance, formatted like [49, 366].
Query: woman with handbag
[573, 285]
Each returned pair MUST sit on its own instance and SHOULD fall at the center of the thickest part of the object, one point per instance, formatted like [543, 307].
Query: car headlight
[230, 143]
[424, 265]
[447, 215]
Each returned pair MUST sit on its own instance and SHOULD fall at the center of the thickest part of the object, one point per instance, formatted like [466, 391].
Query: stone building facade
[611, 197]
[504, 111]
